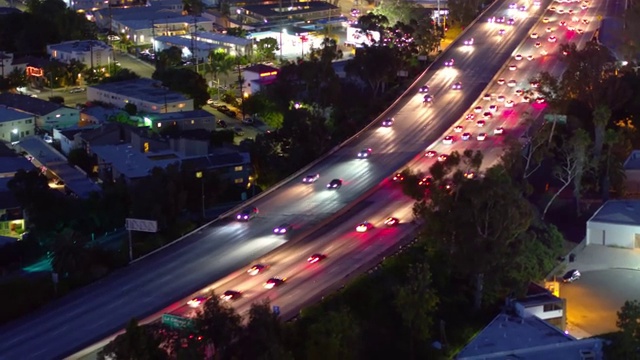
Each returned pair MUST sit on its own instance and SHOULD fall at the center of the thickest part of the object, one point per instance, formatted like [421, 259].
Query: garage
[616, 223]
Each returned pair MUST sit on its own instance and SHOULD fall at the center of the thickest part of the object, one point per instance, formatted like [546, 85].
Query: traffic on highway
[337, 216]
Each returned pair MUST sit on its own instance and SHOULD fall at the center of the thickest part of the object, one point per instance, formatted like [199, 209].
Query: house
[97, 115]
[147, 95]
[510, 336]
[541, 303]
[15, 124]
[91, 53]
[616, 223]
[184, 120]
[8, 64]
[67, 138]
[256, 77]
[12, 221]
[274, 12]
[48, 115]
[232, 45]
[632, 171]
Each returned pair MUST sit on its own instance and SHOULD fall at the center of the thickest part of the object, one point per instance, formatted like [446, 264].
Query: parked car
[222, 124]
[238, 130]
[76, 90]
[571, 276]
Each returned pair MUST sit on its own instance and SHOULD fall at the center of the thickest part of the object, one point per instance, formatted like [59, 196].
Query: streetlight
[200, 176]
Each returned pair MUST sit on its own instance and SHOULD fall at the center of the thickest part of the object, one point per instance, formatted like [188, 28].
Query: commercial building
[148, 95]
[288, 12]
[616, 223]
[232, 45]
[256, 77]
[191, 49]
[91, 53]
[15, 124]
[47, 115]
[184, 120]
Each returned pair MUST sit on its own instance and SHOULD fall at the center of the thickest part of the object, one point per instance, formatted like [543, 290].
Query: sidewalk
[599, 257]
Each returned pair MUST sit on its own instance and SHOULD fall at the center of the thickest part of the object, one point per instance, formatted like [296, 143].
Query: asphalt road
[223, 247]
[594, 300]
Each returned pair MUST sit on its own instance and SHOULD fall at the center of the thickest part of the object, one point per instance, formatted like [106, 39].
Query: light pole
[281, 31]
[200, 176]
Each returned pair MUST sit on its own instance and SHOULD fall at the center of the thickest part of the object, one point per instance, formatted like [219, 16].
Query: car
[501, 32]
[563, 23]
[580, 31]
[364, 227]
[486, 97]
[316, 258]
[491, 19]
[222, 124]
[509, 104]
[196, 301]
[498, 131]
[553, 9]
[470, 117]
[571, 276]
[391, 221]
[425, 181]
[537, 45]
[443, 157]
[231, 295]
[548, 29]
[487, 115]
[247, 214]
[546, 20]
[222, 108]
[449, 63]
[501, 98]
[428, 99]
[511, 21]
[480, 123]
[311, 178]
[522, 8]
[256, 269]
[457, 129]
[477, 109]
[430, 154]
[565, 53]
[534, 35]
[543, 52]
[530, 57]
[77, 90]
[570, 11]
[481, 136]
[282, 229]
[513, 67]
[540, 100]
[526, 99]
[364, 153]
[448, 140]
[535, 84]
[113, 37]
[560, 11]
[552, 39]
[469, 42]
[387, 122]
[469, 174]
[466, 136]
[334, 184]
[238, 131]
[424, 89]
[513, 6]
[585, 21]
[500, 81]
[248, 121]
[210, 101]
[457, 86]
[398, 177]
[493, 108]
[584, 6]
[512, 83]
[500, 19]
[518, 57]
[274, 282]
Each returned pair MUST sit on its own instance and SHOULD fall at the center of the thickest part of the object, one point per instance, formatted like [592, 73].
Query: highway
[224, 247]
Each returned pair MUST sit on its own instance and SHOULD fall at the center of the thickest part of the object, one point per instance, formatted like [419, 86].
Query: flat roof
[132, 163]
[143, 89]
[226, 39]
[290, 9]
[180, 115]
[186, 42]
[623, 212]
[28, 104]
[79, 45]
[633, 161]
[7, 114]
[141, 23]
[260, 68]
[11, 162]
[539, 299]
[528, 338]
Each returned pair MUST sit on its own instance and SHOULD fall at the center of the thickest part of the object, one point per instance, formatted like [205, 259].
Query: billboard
[359, 37]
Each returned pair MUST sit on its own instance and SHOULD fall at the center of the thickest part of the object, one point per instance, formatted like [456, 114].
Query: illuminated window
[193, 122]
[239, 181]
[159, 124]
[238, 168]
[146, 147]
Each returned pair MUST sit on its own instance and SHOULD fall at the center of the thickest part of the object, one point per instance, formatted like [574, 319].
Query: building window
[28, 121]
[239, 181]
[238, 168]
[551, 307]
[193, 122]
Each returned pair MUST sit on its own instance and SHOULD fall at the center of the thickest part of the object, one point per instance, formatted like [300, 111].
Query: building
[8, 64]
[67, 139]
[149, 96]
[12, 221]
[541, 303]
[91, 53]
[256, 77]
[528, 338]
[276, 13]
[232, 45]
[632, 172]
[15, 124]
[616, 223]
[191, 49]
[184, 120]
[48, 115]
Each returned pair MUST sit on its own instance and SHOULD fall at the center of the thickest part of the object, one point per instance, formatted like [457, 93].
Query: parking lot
[610, 276]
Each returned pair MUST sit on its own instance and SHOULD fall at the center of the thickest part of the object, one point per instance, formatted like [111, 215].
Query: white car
[529, 57]
[534, 35]
[500, 98]
[512, 83]
[481, 136]
[518, 57]
[509, 104]
[513, 67]
[477, 109]
[493, 108]
[498, 131]
[469, 42]
[311, 178]
[552, 39]
[548, 30]
[480, 123]
[448, 140]
[538, 44]
[500, 81]
[486, 97]
[457, 129]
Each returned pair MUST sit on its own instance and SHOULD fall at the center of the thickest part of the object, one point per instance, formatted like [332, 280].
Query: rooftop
[633, 161]
[294, 8]
[143, 89]
[186, 42]
[141, 23]
[529, 338]
[133, 163]
[222, 38]
[181, 115]
[28, 104]
[260, 68]
[78, 45]
[8, 114]
[11, 162]
[623, 212]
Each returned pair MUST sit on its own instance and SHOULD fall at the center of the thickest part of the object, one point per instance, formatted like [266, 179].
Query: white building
[190, 48]
[256, 77]
[8, 64]
[146, 94]
[15, 124]
[184, 120]
[47, 115]
[91, 53]
[616, 223]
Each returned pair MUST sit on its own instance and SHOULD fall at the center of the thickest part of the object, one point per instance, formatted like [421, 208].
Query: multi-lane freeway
[226, 247]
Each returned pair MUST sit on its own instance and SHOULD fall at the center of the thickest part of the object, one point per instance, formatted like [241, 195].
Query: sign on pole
[555, 118]
[142, 225]
[176, 322]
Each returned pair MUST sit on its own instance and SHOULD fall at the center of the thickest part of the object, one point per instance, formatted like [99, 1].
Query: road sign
[176, 322]
[276, 309]
[556, 118]
[142, 225]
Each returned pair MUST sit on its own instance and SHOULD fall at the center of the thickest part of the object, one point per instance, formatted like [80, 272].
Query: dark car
[283, 229]
[274, 282]
[571, 276]
[257, 269]
[222, 108]
[316, 258]
[387, 122]
[247, 214]
[334, 184]
[231, 295]
[222, 124]
[424, 89]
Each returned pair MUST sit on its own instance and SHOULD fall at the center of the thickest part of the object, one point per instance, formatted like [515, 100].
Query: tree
[131, 109]
[601, 118]
[218, 324]
[523, 160]
[137, 343]
[193, 7]
[416, 302]
[220, 63]
[463, 11]
[427, 37]
[262, 337]
[574, 161]
[266, 49]
[121, 74]
[74, 69]
[185, 81]
[335, 336]
[168, 58]
[373, 22]
[628, 341]
[376, 66]
[398, 11]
